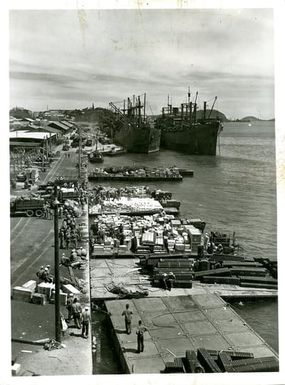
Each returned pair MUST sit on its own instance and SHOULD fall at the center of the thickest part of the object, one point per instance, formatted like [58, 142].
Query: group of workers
[69, 233]
[75, 259]
[98, 235]
[44, 275]
[81, 317]
[48, 212]
[166, 280]
[141, 329]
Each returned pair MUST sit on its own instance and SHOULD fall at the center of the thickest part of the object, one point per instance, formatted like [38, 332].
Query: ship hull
[197, 139]
[139, 140]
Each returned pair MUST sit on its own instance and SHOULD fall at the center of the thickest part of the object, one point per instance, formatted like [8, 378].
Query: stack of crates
[195, 236]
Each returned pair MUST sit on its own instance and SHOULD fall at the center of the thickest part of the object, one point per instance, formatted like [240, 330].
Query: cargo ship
[188, 130]
[132, 129]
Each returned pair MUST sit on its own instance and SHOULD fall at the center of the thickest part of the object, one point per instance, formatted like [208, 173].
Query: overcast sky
[69, 59]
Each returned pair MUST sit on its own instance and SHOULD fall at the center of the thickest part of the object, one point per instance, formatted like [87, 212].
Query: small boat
[96, 157]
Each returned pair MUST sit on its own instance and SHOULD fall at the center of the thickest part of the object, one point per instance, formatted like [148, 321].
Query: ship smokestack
[205, 106]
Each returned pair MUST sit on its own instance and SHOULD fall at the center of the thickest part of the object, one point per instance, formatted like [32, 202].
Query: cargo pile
[214, 361]
[99, 193]
[158, 234]
[126, 205]
[244, 273]
[134, 173]
[41, 293]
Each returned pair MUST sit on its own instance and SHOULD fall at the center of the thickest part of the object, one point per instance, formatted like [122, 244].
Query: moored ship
[187, 130]
[133, 129]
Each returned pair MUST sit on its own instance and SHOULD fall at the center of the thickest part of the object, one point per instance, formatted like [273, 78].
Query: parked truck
[28, 206]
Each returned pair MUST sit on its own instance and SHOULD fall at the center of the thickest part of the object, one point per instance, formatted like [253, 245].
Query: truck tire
[30, 213]
[39, 213]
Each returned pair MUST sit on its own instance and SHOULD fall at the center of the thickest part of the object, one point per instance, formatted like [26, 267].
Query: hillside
[20, 113]
[249, 119]
[214, 114]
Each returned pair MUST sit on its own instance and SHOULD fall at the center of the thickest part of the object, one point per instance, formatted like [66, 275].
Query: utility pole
[56, 270]
[79, 155]
[144, 106]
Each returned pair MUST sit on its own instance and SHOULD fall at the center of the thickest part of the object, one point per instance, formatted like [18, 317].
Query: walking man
[67, 239]
[77, 312]
[85, 322]
[140, 336]
[69, 307]
[128, 319]
[61, 238]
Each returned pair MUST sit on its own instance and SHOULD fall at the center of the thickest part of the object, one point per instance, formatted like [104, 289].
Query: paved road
[32, 239]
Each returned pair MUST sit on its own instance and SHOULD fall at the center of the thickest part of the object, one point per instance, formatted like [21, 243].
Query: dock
[104, 273]
[179, 323]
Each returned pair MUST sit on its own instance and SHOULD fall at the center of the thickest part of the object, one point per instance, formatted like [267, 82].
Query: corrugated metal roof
[58, 124]
[30, 135]
[69, 124]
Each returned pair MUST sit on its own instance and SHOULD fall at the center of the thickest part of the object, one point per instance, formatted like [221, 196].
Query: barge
[141, 174]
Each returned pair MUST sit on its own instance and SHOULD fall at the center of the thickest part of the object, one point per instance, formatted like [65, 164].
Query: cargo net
[123, 292]
[52, 345]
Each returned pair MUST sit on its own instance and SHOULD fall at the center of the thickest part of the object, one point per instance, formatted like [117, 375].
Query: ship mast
[195, 107]
[212, 106]
[144, 105]
[188, 102]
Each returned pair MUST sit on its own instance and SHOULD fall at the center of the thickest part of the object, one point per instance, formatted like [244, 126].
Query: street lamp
[56, 203]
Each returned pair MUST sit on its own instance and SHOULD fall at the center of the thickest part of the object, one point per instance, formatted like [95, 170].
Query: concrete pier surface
[106, 272]
[179, 323]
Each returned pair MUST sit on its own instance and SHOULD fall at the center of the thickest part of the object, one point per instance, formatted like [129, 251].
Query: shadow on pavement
[130, 350]
[75, 334]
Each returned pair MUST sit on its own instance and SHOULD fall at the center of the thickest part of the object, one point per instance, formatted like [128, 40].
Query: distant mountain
[20, 113]
[249, 119]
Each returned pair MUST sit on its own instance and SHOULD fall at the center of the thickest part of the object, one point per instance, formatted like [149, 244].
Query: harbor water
[232, 192]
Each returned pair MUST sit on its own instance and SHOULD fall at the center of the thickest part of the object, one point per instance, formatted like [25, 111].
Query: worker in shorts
[141, 329]
[77, 312]
[85, 322]
[69, 307]
[128, 319]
